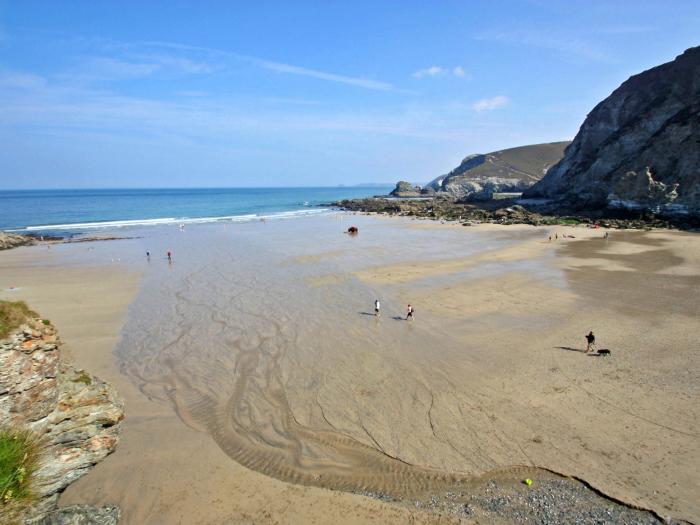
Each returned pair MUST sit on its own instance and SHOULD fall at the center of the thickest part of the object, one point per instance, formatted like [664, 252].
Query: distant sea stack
[638, 149]
[479, 176]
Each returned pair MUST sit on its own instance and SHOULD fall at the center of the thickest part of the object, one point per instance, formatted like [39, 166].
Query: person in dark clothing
[590, 338]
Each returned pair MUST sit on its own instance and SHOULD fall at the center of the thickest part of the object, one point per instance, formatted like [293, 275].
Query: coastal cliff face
[479, 176]
[76, 415]
[639, 148]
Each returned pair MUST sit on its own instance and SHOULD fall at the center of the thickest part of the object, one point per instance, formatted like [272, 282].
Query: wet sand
[261, 339]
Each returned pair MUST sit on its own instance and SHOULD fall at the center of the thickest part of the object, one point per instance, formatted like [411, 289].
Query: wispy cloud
[281, 67]
[565, 44]
[57, 106]
[431, 71]
[434, 71]
[488, 104]
[15, 79]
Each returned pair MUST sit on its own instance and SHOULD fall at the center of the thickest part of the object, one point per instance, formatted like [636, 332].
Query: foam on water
[173, 220]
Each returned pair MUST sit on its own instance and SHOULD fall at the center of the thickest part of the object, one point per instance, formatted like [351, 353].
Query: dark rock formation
[479, 176]
[405, 189]
[12, 240]
[76, 414]
[639, 149]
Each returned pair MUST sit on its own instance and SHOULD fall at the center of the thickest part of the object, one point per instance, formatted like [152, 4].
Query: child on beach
[170, 256]
[409, 312]
[376, 308]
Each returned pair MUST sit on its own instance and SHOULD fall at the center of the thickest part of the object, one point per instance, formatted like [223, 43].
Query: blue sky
[180, 94]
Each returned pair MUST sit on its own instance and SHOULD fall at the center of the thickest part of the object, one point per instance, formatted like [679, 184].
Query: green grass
[13, 314]
[84, 378]
[19, 460]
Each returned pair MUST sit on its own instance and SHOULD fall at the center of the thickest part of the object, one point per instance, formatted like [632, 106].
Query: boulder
[405, 189]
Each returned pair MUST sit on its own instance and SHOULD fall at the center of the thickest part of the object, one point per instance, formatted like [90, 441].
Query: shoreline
[161, 415]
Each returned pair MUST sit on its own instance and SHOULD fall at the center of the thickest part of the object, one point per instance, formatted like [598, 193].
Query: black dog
[604, 351]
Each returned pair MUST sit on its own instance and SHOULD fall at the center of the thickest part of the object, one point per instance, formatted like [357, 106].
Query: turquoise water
[75, 211]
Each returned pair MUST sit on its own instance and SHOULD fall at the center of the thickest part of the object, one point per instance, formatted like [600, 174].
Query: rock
[639, 149]
[512, 170]
[12, 240]
[82, 515]
[405, 189]
[76, 414]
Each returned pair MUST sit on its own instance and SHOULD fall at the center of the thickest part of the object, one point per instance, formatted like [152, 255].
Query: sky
[239, 94]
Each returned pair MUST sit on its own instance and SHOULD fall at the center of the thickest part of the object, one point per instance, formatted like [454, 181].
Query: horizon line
[106, 188]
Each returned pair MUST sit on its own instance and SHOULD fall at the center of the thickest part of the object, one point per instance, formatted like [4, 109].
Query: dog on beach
[604, 352]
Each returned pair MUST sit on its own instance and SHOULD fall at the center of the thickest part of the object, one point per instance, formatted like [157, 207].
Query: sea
[68, 212]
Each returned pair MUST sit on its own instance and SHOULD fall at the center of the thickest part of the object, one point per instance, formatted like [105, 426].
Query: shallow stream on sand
[262, 336]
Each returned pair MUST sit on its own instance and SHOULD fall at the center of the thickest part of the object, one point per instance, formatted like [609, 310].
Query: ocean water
[75, 211]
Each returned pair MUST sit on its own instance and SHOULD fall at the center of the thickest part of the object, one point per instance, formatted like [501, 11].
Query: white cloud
[429, 72]
[434, 71]
[488, 104]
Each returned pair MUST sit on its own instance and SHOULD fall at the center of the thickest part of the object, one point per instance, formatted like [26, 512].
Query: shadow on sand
[571, 349]
[596, 353]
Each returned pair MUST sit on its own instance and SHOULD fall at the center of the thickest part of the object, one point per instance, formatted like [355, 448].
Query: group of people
[377, 312]
[168, 254]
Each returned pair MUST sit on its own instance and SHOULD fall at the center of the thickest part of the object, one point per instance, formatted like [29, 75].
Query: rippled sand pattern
[282, 363]
[218, 335]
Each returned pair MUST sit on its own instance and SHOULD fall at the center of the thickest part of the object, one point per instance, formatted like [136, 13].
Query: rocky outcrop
[76, 414]
[512, 170]
[405, 189]
[12, 240]
[83, 515]
[639, 148]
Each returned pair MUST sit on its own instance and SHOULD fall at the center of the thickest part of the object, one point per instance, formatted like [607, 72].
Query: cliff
[638, 149]
[479, 176]
[75, 415]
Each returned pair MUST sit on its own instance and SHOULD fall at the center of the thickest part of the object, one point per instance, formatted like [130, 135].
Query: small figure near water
[606, 236]
[352, 230]
[590, 338]
[409, 312]
[170, 256]
[376, 308]
[148, 255]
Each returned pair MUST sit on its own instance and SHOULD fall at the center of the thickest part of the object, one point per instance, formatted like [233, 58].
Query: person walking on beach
[376, 308]
[409, 312]
[590, 338]
[148, 255]
[170, 256]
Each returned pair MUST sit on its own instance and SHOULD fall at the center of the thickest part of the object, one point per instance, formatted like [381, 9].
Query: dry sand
[490, 375]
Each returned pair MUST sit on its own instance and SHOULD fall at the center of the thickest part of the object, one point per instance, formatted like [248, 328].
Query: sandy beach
[256, 376]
